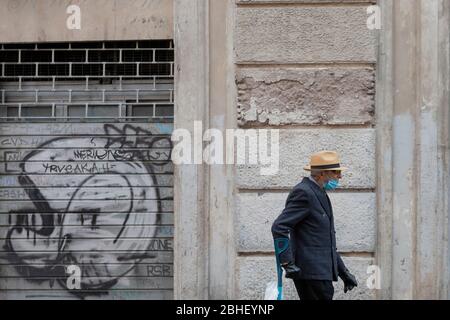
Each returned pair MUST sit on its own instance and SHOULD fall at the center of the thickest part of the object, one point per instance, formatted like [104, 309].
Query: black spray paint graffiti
[105, 221]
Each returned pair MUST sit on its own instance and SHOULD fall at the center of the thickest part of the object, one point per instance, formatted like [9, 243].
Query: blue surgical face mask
[331, 184]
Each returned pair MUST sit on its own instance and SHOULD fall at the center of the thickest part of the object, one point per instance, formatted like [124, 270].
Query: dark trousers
[314, 289]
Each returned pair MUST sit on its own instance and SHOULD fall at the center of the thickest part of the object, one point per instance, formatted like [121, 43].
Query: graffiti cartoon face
[98, 211]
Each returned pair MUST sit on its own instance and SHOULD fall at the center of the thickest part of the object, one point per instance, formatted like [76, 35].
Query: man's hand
[349, 281]
[292, 271]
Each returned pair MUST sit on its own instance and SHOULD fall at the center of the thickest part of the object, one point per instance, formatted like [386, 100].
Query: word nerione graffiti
[244, 147]
[103, 154]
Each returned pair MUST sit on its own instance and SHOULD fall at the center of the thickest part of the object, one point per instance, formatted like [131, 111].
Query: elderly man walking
[306, 224]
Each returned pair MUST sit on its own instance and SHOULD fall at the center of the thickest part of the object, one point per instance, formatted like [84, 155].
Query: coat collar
[320, 194]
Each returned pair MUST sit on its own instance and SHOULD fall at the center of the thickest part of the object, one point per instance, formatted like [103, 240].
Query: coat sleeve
[342, 269]
[296, 210]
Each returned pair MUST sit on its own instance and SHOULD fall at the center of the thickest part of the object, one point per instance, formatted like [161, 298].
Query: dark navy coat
[307, 220]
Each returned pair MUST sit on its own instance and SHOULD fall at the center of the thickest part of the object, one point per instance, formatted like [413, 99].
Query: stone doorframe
[412, 106]
[412, 149]
[203, 194]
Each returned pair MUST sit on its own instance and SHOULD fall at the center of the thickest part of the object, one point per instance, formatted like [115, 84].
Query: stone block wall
[306, 68]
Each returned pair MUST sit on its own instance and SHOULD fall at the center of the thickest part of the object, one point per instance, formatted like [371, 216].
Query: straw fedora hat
[325, 160]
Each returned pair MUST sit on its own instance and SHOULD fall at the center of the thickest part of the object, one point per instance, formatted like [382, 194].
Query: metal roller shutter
[86, 182]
